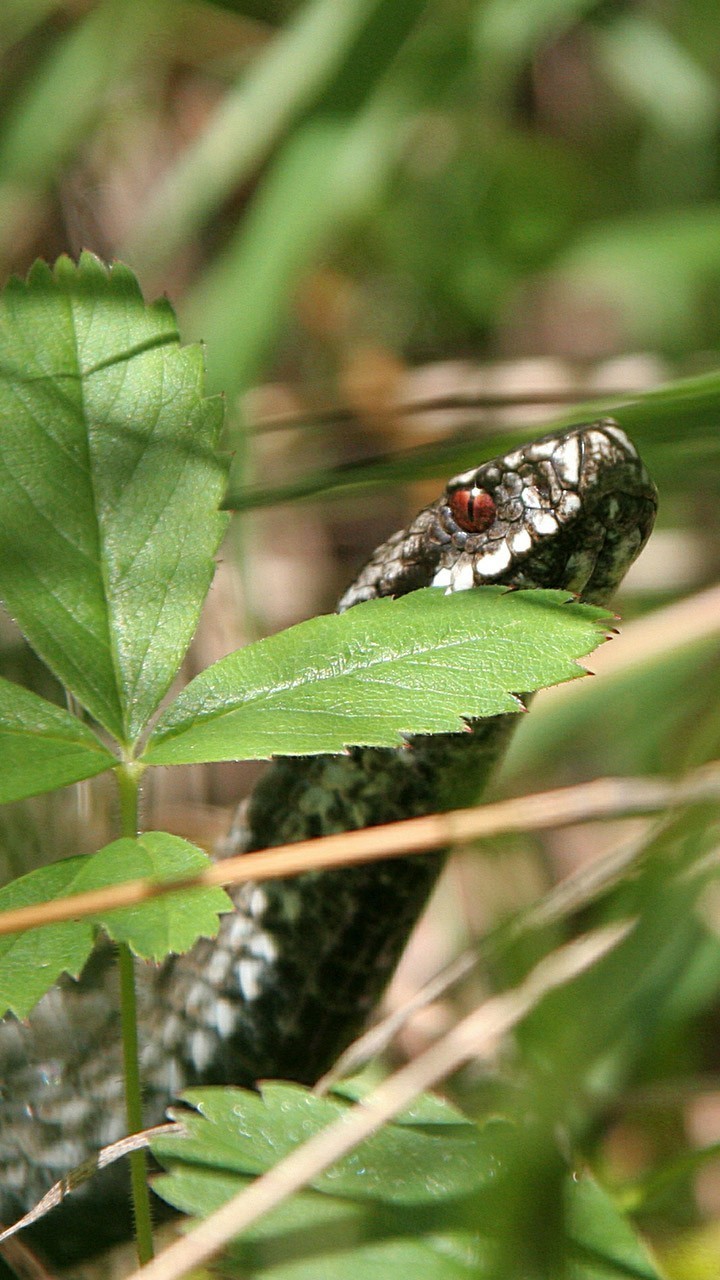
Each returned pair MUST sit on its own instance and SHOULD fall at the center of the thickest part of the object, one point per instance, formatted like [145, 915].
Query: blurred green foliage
[482, 175]
[318, 182]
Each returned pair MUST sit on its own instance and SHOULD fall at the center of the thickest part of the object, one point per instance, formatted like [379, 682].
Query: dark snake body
[294, 973]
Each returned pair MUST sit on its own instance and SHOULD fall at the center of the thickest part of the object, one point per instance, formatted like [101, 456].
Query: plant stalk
[128, 785]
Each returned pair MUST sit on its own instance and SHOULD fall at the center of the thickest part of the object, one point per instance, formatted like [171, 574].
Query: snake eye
[472, 509]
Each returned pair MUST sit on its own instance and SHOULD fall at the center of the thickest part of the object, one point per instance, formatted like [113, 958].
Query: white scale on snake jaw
[566, 460]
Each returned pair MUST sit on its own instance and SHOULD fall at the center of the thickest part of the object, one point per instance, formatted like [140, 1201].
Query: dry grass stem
[602, 798]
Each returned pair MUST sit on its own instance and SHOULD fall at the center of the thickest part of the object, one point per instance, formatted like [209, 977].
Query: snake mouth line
[623, 538]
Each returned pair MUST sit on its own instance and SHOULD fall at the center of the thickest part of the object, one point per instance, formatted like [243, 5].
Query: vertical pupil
[472, 509]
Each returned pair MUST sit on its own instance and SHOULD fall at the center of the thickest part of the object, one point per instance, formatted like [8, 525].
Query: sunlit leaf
[109, 485]
[381, 670]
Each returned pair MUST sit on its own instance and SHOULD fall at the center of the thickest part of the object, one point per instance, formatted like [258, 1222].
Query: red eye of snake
[472, 509]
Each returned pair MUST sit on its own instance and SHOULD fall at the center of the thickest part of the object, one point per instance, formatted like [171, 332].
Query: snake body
[295, 971]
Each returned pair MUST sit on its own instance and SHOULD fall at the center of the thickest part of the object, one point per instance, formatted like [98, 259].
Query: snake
[296, 970]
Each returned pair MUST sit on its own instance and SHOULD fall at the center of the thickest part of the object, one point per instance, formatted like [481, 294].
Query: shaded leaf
[381, 670]
[30, 962]
[248, 1133]
[171, 923]
[42, 746]
[391, 1203]
[426, 1193]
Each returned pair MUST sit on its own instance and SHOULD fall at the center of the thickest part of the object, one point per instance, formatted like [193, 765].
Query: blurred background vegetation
[404, 229]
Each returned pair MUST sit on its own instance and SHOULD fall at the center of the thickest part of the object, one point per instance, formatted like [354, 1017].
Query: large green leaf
[428, 1192]
[109, 485]
[381, 670]
[42, 746]
[247, 1133]
[30, 962]
[391, 1203]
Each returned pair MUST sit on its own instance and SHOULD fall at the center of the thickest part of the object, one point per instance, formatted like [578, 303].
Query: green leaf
[427, 1191]
[390, 1202]
[42, 746]
[247, 1133]
[312, 1236]
[381, 670]
[427, 1109]
[31, 962]
[168, 924]
[604, 1244]
[109, 485]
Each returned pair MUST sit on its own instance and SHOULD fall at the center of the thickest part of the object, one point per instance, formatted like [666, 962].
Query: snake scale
[295, 971]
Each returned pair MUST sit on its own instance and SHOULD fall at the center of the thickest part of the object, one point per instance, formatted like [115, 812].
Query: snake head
[571, 511]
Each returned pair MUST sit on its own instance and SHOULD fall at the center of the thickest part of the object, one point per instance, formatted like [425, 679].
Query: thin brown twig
[694, 618]
[602, 798]
[477, 1035]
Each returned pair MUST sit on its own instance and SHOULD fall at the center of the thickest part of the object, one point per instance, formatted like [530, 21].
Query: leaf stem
[128, 785]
